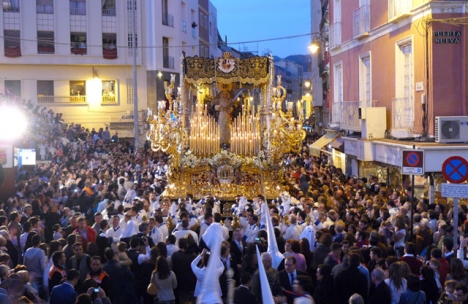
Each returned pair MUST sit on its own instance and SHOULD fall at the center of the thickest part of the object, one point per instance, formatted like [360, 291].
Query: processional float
[226, 128]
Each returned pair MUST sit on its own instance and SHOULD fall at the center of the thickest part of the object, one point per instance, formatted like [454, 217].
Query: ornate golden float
[226, 128]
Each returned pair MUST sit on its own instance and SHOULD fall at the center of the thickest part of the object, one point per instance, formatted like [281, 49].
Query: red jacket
[91, 237]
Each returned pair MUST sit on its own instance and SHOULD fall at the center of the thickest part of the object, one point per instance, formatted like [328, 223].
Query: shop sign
[447, 37]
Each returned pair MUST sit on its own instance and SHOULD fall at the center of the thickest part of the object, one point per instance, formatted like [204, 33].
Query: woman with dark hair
[323, 249]
[192, 246]
[165, 280]
[399, 235]
[308, 254]
[296, 252]
[396, 282]
[413, 295]
[323, 290]
[162, 249]
[428, 284]
[457, 271]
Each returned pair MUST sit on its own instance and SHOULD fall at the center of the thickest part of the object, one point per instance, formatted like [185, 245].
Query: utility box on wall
[373, 122]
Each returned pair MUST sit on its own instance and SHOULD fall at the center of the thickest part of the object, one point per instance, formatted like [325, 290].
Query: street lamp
[313, 47]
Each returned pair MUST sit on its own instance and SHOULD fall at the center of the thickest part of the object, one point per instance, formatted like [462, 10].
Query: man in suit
[121, 290]
[285, 279]
[186, 280]
[65, 293]
[380, 293]
[242, 294]
[410, 259]
[349, 281]
[238, 246]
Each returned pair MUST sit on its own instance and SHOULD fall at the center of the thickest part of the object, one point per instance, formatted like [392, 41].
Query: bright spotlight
[13, 122]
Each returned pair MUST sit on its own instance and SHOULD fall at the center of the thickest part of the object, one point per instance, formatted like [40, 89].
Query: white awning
[317, 146]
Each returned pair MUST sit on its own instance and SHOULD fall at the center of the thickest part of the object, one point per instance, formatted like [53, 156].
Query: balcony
[361, 25]
[108, 99]
[12, 51]
[44, 9]
[335, 35]
[168, 62]
[184, 26]
[108, 12]
[61, 99]
[79, 50]
[346, 115]
[46, 50]
[399, 9]
[109, 53]
[403, 113]
[168, 20]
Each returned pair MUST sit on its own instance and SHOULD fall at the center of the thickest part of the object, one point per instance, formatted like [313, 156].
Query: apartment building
[396, 65]
[76, 56]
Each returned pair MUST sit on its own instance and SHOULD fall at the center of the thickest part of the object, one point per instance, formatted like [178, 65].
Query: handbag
[152, 290]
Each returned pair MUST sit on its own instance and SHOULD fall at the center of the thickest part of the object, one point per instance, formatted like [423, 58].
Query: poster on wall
[6, 156]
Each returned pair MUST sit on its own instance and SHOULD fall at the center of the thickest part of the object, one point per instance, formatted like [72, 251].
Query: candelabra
[285, 133]
[166, 131]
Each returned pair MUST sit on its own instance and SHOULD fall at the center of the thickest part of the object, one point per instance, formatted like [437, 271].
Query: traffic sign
[412, 162]
[455, 169]
[455, 190]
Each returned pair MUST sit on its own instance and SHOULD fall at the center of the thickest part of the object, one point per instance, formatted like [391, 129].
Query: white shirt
[182, 233]
[156, 235]
[292, 233]
[251, 232]
[200, 274]
[114, 234]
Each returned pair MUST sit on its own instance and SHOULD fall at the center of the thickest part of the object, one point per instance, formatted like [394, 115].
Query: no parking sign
[412, 162]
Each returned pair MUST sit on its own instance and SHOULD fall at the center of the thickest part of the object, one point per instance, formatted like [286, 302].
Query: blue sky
[253, 20]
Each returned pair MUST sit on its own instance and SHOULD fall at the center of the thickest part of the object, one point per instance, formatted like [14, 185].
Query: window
[168, 62]
[129, 90]
[365, 80]
[45, 6]
[129, 4]
[108, 91]
[45, 42]
[77, 88]
[109, 45]
[77, 7]
[11, 5]
[167, 19]
[108, 7]
[12, 43]
[11, 38]
[78, 43]
[45, 88]
[338, 83]
[13, 89]
[335, 27]
[130, 40]
[403, 104]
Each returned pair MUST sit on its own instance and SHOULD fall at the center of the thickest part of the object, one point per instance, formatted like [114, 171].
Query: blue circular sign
[455, 169]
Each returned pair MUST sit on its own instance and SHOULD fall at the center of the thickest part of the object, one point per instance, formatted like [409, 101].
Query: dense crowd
[90, 225]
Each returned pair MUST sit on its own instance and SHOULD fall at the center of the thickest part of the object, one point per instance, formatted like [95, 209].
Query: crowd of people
[91, 225]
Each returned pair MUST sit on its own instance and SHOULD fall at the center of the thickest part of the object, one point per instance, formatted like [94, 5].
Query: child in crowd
[57, 232]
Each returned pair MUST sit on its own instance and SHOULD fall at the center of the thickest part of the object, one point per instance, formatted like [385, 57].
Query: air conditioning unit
[451, 129]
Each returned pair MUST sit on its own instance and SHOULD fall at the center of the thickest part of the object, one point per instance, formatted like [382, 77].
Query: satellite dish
[2, 175]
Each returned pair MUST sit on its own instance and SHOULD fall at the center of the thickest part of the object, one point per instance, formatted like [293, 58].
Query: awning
[338, 144]
[317, 146]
